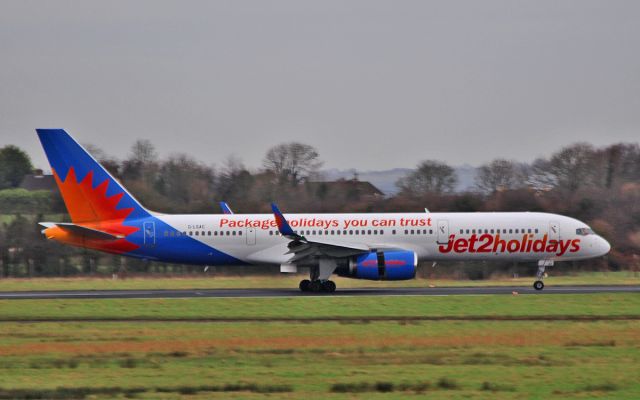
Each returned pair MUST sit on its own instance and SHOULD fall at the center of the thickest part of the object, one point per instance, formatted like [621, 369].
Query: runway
[231, 293]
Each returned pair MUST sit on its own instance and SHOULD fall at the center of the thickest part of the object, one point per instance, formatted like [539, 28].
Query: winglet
[283, 225]
[225, 208]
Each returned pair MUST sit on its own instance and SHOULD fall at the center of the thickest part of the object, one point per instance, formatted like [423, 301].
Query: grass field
[323, 348]
[288, 281]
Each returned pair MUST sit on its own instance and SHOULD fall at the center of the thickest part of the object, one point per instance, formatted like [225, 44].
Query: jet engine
[395, 265]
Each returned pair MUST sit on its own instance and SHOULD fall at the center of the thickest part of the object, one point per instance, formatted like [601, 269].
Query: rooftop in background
[38, 181]
[353, 186]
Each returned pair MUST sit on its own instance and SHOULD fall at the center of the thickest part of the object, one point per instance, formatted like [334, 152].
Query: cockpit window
[584, 231]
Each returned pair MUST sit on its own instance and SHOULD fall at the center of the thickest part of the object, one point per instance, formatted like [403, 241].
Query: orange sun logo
[90, 207]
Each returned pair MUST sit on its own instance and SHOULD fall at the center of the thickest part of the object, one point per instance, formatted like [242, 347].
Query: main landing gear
[320, 275]
[317, 286]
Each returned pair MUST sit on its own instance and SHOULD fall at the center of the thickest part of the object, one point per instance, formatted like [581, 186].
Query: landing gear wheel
[315, 286]
[328, 286]
[304, 285]
[538, 285]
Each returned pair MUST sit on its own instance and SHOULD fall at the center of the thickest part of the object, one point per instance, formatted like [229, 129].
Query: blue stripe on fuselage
[181, 249]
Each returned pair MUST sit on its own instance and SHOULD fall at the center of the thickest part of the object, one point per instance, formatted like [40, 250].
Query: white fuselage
[514, 236]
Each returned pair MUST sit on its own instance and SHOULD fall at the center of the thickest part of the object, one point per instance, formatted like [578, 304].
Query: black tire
[304, 285]
[315, 286]
[538, 285]
[329, 286]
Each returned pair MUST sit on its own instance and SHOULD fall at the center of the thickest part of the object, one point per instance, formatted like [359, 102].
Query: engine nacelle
[382, 265]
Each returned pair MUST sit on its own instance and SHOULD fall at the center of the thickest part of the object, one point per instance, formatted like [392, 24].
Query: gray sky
[371, 84]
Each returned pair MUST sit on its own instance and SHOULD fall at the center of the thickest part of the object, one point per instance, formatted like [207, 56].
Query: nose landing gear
[542, 265]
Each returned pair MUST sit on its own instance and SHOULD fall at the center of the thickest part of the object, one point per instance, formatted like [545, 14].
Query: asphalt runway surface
[294, 292]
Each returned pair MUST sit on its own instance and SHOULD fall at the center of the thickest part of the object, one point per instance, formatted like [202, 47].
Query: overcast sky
[371, 84]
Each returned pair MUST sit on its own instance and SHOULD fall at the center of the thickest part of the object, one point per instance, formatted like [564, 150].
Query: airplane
[374, 246]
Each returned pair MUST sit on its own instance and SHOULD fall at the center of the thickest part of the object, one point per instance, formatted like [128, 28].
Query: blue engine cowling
[397, 265]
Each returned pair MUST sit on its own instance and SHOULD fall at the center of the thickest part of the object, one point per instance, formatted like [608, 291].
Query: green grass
[288, 281]
[318, 358]
[326, 307]
[385, 360]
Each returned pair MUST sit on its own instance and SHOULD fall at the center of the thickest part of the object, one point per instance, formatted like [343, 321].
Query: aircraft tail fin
[89, 191]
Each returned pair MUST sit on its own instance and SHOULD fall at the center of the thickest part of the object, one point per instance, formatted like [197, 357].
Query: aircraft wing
[302, 249]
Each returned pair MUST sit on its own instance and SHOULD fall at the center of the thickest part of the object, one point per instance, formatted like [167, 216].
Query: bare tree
[292, 162]
[622, 162]
[431, 177]
[142, 162]
[498, 175]
[572, 167]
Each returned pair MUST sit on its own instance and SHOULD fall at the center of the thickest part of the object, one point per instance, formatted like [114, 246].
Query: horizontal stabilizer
[80, 230]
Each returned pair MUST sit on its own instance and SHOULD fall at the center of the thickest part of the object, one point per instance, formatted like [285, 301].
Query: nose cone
[603, 246]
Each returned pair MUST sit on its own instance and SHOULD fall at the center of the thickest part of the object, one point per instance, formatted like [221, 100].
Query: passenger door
[149, 229]
[251, 236]
[554, 231]
[443, 231]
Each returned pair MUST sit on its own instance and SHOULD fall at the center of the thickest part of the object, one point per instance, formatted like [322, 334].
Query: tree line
[600, 186]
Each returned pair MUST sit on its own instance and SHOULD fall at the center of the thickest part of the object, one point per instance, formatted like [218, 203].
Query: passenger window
[431, 231]
[473, 231]
[536, 231]
[393, 232]
[350, 232]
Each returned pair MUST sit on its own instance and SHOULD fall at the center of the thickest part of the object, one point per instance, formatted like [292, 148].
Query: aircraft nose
[603, 245]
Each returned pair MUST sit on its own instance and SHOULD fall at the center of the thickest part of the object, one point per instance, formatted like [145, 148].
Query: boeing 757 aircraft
[105, 217]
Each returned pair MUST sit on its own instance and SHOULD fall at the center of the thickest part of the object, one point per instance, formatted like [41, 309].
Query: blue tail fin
[89, 191]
